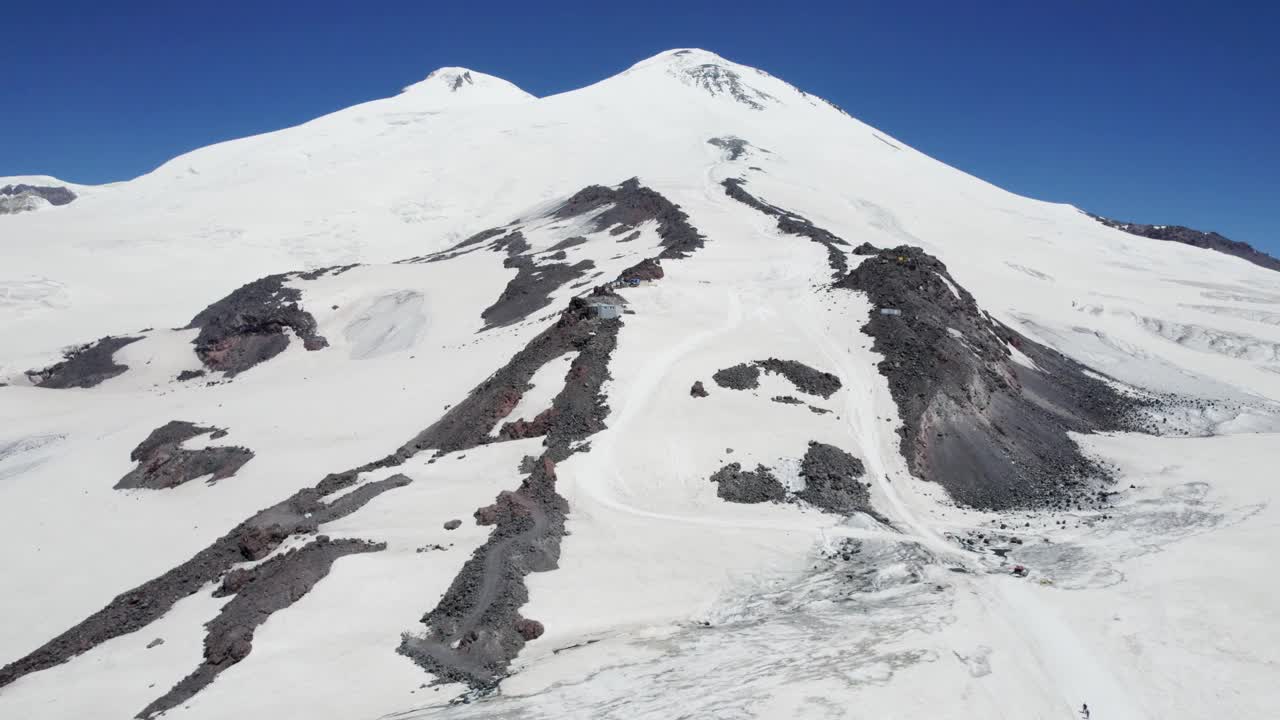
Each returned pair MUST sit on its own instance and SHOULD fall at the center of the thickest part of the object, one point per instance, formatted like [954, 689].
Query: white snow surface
[667, 601]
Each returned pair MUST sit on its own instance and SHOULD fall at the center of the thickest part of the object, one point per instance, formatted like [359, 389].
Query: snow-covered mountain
[682, 394]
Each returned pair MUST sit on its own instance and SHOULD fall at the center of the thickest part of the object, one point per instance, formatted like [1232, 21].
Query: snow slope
[665, 600]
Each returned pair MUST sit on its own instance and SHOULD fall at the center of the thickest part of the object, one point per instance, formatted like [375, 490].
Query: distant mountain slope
[1195, 238]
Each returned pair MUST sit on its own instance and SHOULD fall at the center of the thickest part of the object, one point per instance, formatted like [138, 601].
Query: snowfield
[458, 375]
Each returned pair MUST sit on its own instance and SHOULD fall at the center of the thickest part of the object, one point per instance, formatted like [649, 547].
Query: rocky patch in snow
[648, 269]
[257, 593]
[736, 485]
[746, 376]
[721, 81]
[20, 198]
[831, 483]
[698, 390]
[248, 326]
[992, 431]
[733, 147]
[164, 463]
[793, 224]
[805, 378]
[831, 480]
[85, 366]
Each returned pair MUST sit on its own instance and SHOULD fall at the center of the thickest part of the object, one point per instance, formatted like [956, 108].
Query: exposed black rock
[259, 593]
[787, 400]
[84, 366]
[453, 524]
[186, 375]
[318, 273]
[530, 290]
[567, 243]
[736, 485]
[739, 377]
[163, 463]
[469, 245]
[457, 81]
[734, 147]
[470, 422]
[647, 269]
[247, 327]
[698, 390]
[793, 224]
[805, 378]
[866, 248]
[719, 80]
[631, 204]
[18, 198]
[831, 480]
[746, 376]
[818, 411]
[253, 539]
[992, 432]
[1195, 238]
[55, 194]
[476, 629]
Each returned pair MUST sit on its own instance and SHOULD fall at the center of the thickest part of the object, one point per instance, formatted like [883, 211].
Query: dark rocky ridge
[253, 539]
[469, 423]
[620, 210]
[793, 224]
[258, 593]
[530, 290]
[1195, 238]
[162, 463]
[476, 629]
[85, 366]
[247, 327]
[989, 430]
[629, 205]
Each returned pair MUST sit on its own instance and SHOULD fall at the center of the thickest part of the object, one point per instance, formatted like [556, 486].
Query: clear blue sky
[1161, 112]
